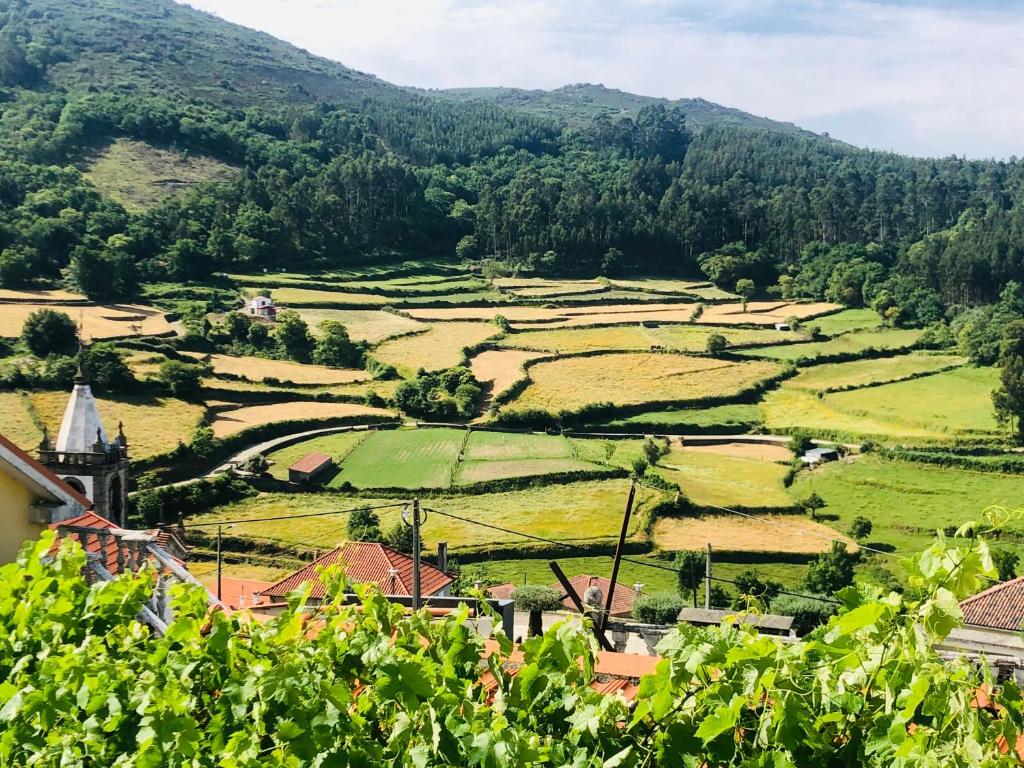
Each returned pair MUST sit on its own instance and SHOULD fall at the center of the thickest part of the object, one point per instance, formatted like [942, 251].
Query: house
[31, 498]
[237, 594]
[622, 601]
[819, 456]
[309, 468]
[765, 623]
[262, 306]
[365, 562]
[999, 607]
[503, 591]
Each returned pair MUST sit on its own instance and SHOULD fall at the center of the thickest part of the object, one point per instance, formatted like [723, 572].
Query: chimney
[442, 555]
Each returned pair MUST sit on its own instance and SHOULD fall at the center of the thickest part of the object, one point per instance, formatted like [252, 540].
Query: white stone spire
[81, 424]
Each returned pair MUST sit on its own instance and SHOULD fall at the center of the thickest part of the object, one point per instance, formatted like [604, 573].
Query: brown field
[763, 312]
[369, 325]
[501, 367]
[438, 348]
[762, 451]
[99, 322]
[41, 297]
[772, 533]
[258, 368]
[144, 364]
[152, 424]
[16, 423]
[634, 378]
[229, 422]
[679, 337]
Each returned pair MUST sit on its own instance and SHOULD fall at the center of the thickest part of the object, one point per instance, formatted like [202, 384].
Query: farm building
[783, 327]
[262, 306]
[309, 468]
[365, 562]
[766, 623]
[819, 456]
[622, 602]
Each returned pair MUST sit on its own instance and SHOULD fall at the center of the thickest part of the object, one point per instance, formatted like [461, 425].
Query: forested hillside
[336, 167]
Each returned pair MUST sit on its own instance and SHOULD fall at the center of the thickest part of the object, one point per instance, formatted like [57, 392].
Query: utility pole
[416, 554]
[618, 554]
[707, 578]
[219, 532]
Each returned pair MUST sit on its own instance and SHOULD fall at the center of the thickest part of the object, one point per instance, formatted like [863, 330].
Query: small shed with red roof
[309, 468]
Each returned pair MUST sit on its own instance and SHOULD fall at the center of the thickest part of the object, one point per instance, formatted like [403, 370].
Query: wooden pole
[219, 532]
[416, 554]
[571, 594]
[623, 532]
[707, 578]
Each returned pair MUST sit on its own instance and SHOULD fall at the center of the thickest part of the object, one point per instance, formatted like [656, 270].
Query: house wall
[15, 511]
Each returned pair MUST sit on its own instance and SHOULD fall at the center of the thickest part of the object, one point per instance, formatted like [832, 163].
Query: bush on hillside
[658, 608]
[49, 332]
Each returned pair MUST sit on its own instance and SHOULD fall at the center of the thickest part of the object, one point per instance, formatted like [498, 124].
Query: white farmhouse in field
[262, 306]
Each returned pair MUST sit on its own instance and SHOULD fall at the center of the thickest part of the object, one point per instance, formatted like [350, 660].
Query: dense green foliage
[83, 682]
[48, 331]
[454, 393]
[337, 167]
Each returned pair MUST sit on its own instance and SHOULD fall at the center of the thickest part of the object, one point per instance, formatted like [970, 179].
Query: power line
[624, 559]
[295, 517]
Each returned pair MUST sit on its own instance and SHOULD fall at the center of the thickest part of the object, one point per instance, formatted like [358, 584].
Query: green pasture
[733, 415]
[727, 481]
[337, 446]
[420, 458]
[854, 342]
[862, 373]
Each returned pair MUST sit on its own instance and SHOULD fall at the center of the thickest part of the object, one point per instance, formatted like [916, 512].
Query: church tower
[86, 458]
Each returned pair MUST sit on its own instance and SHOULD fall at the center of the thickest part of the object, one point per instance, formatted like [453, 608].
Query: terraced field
[732, 417]
[845, 344]
[682, 338]
[863, 373]
[370, 325]
[501, 367]
[337, 446]
[259, 368]
[227, 423]
[18, 426]
[98, 322]
[437, 348]
[725, 533]
[422, 458]
[631, 378]
[716, 478]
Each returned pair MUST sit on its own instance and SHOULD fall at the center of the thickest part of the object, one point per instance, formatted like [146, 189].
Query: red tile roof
[237, 593]
[311, 462]
[502, 591]
[93, 543]
[47, 473]
[365, 562]
[622, 602]
[1000, 606]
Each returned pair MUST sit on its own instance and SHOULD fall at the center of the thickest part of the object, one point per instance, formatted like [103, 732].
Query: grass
[849, 343]
[153, 425]
[259, 368]
[504, 446]
[313, 297]
[52, 295]
[470, 472]
[763, 312]
[337, 446]
[227, 423]
[769, 533]
[139, 176]
[369, 325]
[439, 348]
[737, 414]
[98, 322]
[942, 407]
[861, 373]
[635, 378]
[682, 338]
[907, 501]
[18, 426]
[712, 478]
[420, 458]
[847, 320]
[583, 512]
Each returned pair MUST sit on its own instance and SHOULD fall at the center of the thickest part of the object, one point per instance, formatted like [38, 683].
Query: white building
[262, 306]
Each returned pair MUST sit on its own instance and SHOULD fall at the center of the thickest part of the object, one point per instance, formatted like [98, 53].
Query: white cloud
[919, 78]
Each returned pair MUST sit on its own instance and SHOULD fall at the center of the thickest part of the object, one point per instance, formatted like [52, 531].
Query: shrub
[454, 393]
[363, 525]
[716, 344]
[164, 505]
[800, 442]
[183, 379]
[808, 613]
[49, 332]
[860, 528]
[658, 608]
[106, 369]
[536, 599]
[654, 449]
[830, 571]
[1005, 562]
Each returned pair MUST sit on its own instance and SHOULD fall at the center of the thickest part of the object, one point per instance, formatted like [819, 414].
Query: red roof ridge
[994, 588]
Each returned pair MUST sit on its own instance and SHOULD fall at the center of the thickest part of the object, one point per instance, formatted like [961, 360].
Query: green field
[736, 415]
[338, 446]
[729, 481]
[907, 501]
[847, 320]
[943, 407]
[582, 512]
[848, 343]
[504, 446]
[421, 458]
[861, 373]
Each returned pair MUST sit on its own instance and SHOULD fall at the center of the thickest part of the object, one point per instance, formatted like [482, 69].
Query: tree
[716, 344]
[811, 503]
[535, 599]
[800, 442]
[334, 347]
[467, 248]
[1005, 562]
[238, 325]
[107, 370]
[454, 393]
[653, 450]
[860, 528]
[183, 379]
[750, 584]
[689, 566]
[745, 288]
[292, 334]
[47, 331]
[399, 538]
[1008, 399]
[364, 525]
[258, 335]
[830, 571]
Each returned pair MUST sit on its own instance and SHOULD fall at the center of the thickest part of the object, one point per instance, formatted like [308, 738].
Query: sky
[921, 77]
